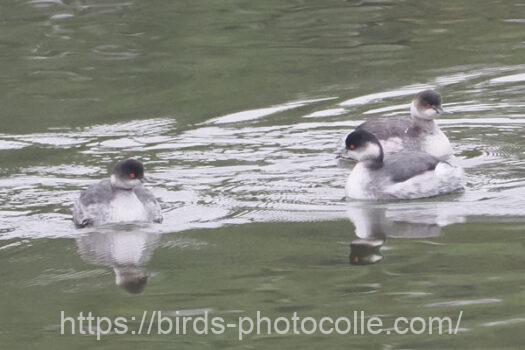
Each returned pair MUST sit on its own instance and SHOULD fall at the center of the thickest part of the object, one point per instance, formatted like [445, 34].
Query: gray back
[385, 128]
[402, 166]
[97, 193]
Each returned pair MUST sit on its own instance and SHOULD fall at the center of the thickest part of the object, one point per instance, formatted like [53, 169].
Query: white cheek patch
[126, 184]
[428, 113]
[370, 151]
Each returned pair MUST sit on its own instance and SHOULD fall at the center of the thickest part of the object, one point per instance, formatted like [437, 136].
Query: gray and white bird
[418, 132]
[121, 198]
[403, 175]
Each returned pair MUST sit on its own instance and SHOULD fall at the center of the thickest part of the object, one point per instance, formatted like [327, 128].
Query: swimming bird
[121, 198]
[418, 132]
[403, 175]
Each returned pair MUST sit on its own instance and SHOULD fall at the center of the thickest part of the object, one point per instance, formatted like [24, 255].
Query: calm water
[236, 107]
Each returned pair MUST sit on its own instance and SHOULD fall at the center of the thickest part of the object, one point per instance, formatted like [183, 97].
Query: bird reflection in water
[374, 223]
[126, 251]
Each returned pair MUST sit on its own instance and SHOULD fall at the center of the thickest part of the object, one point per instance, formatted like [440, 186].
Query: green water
[235, 107]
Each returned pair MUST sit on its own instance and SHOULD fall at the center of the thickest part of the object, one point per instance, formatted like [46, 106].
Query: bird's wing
[385, 128]
[95, 194]
[79, 215]
[150, 203]
[403, 166]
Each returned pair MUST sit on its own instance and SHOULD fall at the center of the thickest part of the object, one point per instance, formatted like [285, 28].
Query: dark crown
[359, 138]
[129, 166]
[429, 97]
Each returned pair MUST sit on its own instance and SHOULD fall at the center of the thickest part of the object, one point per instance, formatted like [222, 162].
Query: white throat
[122, 184]
[426, 114]
[371, 152]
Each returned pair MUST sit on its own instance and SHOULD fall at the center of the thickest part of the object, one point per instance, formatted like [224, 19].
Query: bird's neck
[375, 162]
[118, 184]
[419, 122]
[420, 125]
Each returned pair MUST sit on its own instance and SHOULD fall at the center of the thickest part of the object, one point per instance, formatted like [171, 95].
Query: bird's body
[112, 201]
[404, 175]
[417, 132]
[413, 176]
[409, 134]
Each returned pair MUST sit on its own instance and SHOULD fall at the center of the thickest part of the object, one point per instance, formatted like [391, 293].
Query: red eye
[351, 147]
[132, 175]
[427, 106]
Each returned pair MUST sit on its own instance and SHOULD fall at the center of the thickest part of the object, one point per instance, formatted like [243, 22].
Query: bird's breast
[357, 183]
[127, 207]
[437, 145]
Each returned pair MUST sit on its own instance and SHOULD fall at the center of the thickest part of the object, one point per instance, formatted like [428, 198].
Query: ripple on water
[456, 303]
[237, 169]
[514, 78]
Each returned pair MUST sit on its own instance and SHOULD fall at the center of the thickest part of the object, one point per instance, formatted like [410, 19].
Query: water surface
[235, 108]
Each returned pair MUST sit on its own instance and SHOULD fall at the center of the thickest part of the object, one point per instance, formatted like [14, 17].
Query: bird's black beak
[439, 109]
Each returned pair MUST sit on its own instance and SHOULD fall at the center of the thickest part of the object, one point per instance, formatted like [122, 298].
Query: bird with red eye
[128, 173]
[129, 169]
[353, 143]
[121, 198]
[415, 132]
